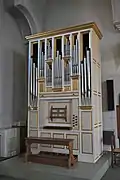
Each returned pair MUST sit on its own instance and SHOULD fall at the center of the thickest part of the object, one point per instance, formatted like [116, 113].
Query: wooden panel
[41, 87]
[94, 76]
[48, 89]
[87, 143]
[96, 109]
[33, 121]
[95, 46]
[45, 134]
[86, 120]
[75, 84]
[58, 135]
[34, 133]
[118, 120]
[67, 88]
[76, 140]
[96, 142]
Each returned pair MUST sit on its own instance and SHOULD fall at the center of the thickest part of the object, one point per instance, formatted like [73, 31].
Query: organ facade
[64, 89]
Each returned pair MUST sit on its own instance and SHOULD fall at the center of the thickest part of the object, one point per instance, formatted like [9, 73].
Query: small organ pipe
[36, 82]
[85, 76]
[33, 79]
[82, 74]
[88, 71]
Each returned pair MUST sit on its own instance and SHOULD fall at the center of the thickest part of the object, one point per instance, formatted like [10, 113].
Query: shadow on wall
[104, 97]
[19, 87]
[116, 53]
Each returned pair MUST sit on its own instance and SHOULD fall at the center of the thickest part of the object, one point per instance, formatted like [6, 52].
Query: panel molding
[91, 138]
[77, 139]
[83, 121]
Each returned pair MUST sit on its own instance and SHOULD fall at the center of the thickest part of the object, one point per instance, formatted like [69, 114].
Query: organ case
[64, 88]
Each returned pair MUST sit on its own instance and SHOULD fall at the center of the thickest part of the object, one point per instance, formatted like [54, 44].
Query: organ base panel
[64, 90]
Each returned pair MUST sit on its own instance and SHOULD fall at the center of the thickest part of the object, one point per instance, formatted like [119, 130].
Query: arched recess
[26, 26]
[22, 17]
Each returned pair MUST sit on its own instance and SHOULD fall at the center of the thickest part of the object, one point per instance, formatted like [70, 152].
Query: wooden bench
[47, 157]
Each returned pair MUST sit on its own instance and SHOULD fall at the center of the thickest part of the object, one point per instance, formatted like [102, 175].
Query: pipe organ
[64, 89]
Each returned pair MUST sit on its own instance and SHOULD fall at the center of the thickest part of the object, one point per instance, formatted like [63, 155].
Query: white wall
[36, 9]
[68, 12]
[12, 71]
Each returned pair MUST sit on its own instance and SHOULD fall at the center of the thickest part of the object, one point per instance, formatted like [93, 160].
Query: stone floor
[112, 174]
[16, 169]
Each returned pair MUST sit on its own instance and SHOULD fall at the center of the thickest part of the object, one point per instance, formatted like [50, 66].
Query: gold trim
[74, 76]
[41, 79]
[67, 30]
[67, 88]
[57, 89]
[94, 61]
[85, 107]
[30, 108]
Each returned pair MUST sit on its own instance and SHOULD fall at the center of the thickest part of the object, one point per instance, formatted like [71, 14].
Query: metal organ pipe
[67, 48]
[86, 79]
[31, 80]
[89, 73]
[49, 51]
[34, 80]
[41, 64]
[82, 80]
[58, 71]
[75, 59]
[48, 75]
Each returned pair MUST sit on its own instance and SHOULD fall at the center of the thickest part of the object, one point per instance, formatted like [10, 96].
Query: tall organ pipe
[88, 73]
[86, 78]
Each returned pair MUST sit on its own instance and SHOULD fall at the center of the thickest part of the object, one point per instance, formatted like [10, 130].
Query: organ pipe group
[58, 71]
[33, 83]
[58, 68]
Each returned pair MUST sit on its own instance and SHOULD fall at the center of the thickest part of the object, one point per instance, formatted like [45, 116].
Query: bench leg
[28, 151]
[71, 160]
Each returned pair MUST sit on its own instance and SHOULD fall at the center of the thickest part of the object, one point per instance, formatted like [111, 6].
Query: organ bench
[47, 157]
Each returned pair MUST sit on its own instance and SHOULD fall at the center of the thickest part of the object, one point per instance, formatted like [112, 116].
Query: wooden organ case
[64, 89]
